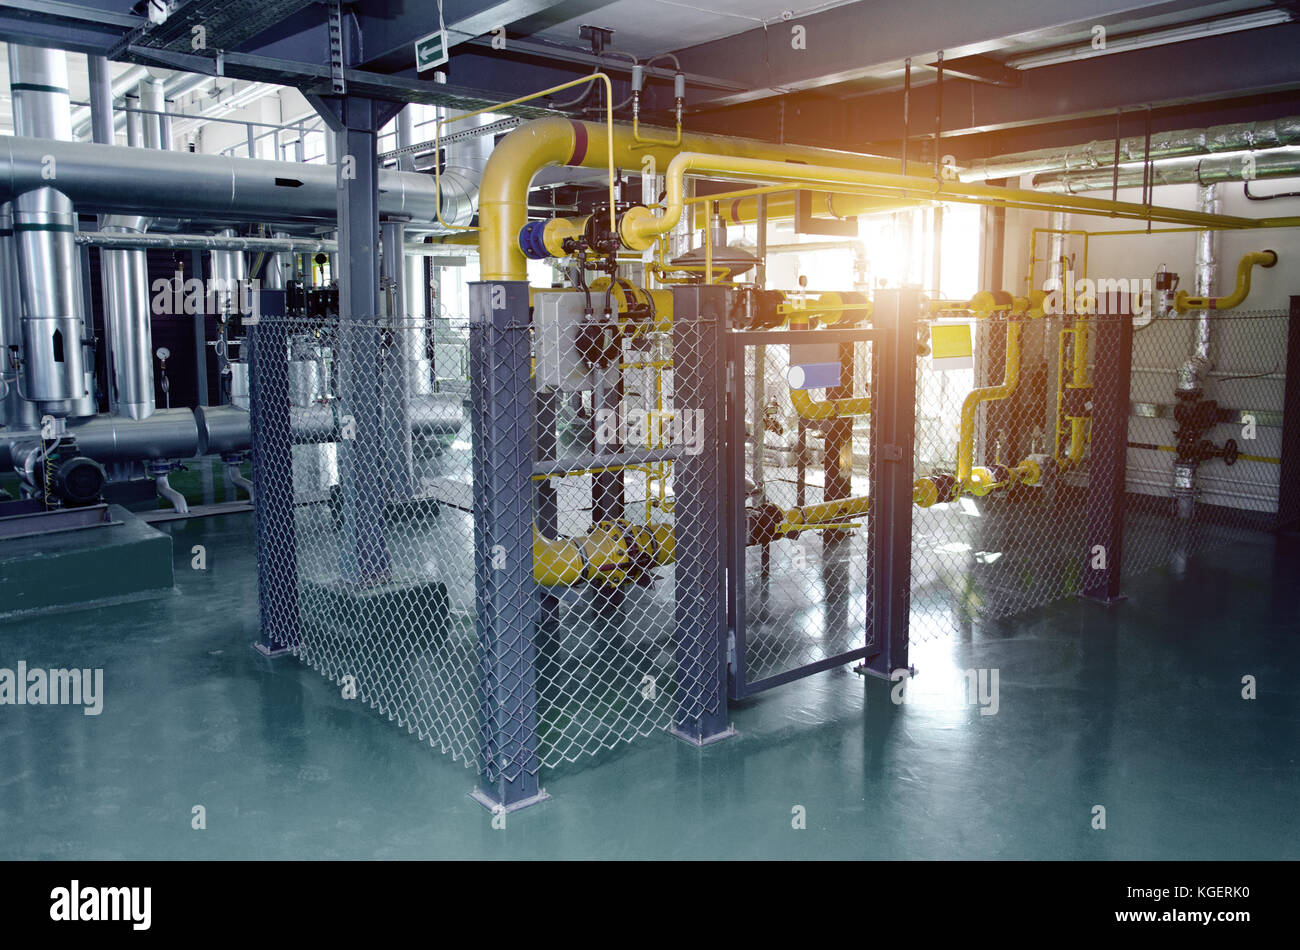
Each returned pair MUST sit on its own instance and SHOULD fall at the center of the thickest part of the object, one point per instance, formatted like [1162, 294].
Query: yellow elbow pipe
[540, 143]
[966, 437]
[1183, 302]
[811, 409]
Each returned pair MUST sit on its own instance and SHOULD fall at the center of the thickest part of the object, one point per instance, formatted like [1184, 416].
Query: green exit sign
[431, 50]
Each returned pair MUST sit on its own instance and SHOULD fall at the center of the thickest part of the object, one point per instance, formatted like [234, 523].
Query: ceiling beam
[1233, 68]
[864, 39]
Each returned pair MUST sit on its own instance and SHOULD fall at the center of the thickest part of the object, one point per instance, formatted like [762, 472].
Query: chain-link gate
[800, 455]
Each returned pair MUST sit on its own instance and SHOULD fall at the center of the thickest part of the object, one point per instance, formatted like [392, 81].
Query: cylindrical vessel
[58, 370]
[127, 316]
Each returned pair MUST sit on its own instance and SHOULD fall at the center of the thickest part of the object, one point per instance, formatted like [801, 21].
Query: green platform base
[66, 570]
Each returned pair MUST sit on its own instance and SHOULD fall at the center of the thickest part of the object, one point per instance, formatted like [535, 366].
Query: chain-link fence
[1009, 528]
[522, 578]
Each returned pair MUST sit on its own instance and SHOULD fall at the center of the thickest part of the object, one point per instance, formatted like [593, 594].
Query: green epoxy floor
[1137, 708]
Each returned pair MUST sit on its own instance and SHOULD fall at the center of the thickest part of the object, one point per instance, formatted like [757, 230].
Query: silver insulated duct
[56, 375]
[125, 279]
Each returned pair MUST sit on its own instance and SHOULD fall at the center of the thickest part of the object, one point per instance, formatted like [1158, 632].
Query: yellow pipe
[744, 210]
[640, 230]
[609, 121]
[604, 552]
[503, 191]
[1183, 302]
[978, 482]
[826, 512]
[813, 410]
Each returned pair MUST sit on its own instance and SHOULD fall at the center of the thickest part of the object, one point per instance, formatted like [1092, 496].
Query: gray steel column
[505, 592]
[893, 436]
[363, 467]
[400, 361]
[274, 524]
[700, 568]
[1108, 454]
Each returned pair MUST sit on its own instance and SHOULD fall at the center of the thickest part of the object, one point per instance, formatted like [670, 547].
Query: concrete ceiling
[648, 27]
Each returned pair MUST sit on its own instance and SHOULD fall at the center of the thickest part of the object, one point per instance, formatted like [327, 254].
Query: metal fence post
[501, 396]
[1288, 492]
[893, 425]
[700, 530]
[267, 343]
[1108, 455]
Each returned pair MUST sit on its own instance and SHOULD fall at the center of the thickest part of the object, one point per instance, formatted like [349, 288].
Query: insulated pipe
[123, 84]
[540, 143]
[134, 128]
[101, 101]
[114, 180]
[1275, 163]
[1237, 136]
[156, 128]
[1191, 374]
[279, 266]
[127, 322]
[280, 242]
[124, 277]
[1053, 323]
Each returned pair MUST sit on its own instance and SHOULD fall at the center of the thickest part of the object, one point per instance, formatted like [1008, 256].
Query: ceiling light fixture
[1178, 34]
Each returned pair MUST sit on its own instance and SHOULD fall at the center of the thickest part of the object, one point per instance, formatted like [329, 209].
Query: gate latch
[891, 452]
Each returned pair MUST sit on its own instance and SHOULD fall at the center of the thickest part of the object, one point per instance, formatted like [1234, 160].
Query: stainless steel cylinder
[227, 272]
[58, 365]
[153, 99]
[50, 277]
[124, 276]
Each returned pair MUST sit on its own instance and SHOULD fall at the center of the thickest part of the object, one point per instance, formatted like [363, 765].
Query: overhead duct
[114, 180]
[56, 374]
[1277, 163]
[1090, 156]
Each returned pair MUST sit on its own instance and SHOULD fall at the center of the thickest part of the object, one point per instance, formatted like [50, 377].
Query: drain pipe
[1192, 374]
[56, 373]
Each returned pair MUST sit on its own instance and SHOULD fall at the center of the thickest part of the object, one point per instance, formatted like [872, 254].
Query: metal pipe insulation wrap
[110, 179]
